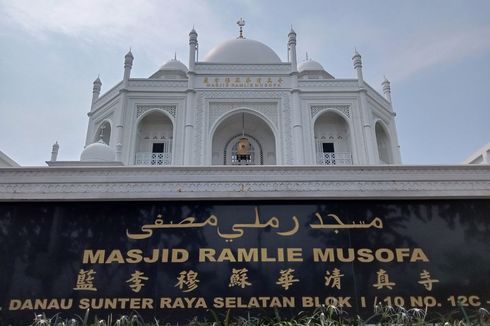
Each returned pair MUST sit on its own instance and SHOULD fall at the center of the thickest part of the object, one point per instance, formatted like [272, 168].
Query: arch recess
[104, 132]
[226, 132]
[332, 138]
[154, 138]
[383, 142]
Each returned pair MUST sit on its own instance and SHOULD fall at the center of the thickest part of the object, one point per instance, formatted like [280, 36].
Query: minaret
[192, 49]
[387, 92]
[357, 61]
[119, 118]
[386, 89]
[96, 90]
[292, 50]
[366, 118]
[128, 64]
[189, 102]
[54, 152]
[297, 132]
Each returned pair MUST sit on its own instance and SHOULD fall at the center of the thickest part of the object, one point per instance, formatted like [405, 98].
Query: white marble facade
[290, 114]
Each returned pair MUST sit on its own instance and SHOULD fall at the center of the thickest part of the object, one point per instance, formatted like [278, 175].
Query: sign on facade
[177, 260]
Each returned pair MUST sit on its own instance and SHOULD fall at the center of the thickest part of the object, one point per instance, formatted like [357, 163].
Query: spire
[357, 62]
[193, 46]
[292, 50]
[128, 59]
[386, 89]
[97, 85]
[193, 31]
[241, 23]
[357, 59]
[54, 152]
[128, 64]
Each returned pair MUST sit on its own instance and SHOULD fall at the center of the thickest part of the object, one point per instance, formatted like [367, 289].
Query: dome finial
[175, 56]
[307, 56]
[241, 23]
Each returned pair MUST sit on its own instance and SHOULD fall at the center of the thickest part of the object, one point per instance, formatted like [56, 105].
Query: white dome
[310, 65]
[99, 151]
[174, 64]
[242, 50]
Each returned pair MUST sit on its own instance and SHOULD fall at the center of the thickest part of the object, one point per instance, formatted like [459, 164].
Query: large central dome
[242, 50]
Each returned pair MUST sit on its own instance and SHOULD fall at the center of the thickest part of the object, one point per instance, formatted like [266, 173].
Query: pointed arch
[332, 138]
[154, 138]
[383, 142]
[243, 122]
[103, 132]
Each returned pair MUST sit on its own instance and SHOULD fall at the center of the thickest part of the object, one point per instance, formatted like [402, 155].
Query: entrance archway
[257, 133]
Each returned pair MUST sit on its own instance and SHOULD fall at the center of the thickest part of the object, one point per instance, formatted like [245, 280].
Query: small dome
[174, 64]
[99, 151]
[242, 50]
[310, 65]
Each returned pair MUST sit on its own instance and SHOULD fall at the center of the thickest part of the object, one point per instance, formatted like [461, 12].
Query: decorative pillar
[192, 49]
[54, 152]
[292, 50]
[189, 127]
[190, 100]
[128, 64]
[369, 143]
[297, 131]
[96, 91]
[386, 89]
[357, 61]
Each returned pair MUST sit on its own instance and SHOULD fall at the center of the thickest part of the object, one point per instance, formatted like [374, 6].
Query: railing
[337, 158]
[143, 158]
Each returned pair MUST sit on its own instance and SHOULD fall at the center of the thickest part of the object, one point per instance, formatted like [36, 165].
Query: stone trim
[244, 182]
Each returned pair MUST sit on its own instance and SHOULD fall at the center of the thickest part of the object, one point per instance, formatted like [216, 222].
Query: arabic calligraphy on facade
[239, 228]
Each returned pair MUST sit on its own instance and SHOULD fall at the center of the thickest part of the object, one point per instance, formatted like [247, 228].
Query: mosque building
[241, 105]
[296, 131]
[240, 153]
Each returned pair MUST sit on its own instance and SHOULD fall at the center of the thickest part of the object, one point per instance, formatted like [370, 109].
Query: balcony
[334, 158]
[143, 158]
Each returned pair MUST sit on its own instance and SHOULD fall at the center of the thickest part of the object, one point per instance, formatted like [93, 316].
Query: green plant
[321, 316]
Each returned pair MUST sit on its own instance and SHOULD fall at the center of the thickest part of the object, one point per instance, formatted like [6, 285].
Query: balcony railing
[143, 158]
[336, 158]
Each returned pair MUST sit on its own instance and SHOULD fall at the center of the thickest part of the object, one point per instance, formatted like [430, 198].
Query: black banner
[179, 260]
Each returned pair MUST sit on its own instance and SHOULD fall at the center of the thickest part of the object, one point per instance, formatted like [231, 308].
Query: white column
[189, 127]
[192, 49]
[366, 119]
[123, 93]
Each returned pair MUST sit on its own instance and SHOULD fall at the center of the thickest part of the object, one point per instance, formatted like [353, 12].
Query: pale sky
[435, 53]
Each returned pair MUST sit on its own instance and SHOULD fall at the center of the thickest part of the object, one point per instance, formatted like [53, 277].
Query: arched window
[104, 133]
[332, 140]
[384, 144]
[154, 140]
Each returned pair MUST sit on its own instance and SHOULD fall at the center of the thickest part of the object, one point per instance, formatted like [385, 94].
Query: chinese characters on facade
[188, 280]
